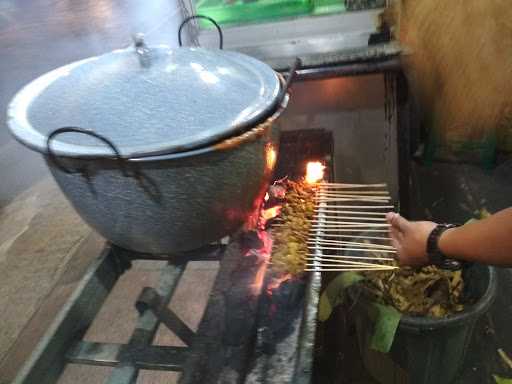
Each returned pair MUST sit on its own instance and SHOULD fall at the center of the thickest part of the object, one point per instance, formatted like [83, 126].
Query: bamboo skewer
[358, 226]
[348, 198]
[314, 256]
[352, 249]
[320, 269]
[343, 185]
[343, 265]
[336, 260]
[348, 230]
[353, 213]
[374, 249]
[355, 206]
[336, 242]
[341, 236]
[347, 218]
[349, 194]
[338, 192]
[347, 224]
[357, 265]
[367, 267]
[355, 196]
[361, 226]
[339, 261]
[330, 246]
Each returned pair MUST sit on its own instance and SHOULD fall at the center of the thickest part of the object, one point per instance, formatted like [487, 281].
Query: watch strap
[435, 256]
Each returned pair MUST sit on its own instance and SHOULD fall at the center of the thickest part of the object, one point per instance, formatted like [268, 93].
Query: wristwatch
[435, 256]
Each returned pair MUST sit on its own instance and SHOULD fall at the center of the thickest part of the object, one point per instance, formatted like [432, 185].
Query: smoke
[460, 63]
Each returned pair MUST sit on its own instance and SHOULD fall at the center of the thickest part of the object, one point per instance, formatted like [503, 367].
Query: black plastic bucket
[428, 350]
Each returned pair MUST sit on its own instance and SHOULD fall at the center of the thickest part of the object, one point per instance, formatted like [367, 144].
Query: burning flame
[270, 213]
[271, 157]
[314, 172]
[264, 252]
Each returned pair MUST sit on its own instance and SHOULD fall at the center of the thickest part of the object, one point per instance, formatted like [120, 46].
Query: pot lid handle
[142, 50]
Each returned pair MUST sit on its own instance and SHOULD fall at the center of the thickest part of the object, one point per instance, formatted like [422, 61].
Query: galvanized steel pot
[162, 150]
[176, 202]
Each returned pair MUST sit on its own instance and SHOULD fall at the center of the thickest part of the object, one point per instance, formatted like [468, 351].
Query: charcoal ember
[282, 305]
[277, 191]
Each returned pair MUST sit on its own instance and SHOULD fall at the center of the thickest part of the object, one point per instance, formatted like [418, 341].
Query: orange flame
[271, 157]
[314, 172]
[264, 252]
[270, 213]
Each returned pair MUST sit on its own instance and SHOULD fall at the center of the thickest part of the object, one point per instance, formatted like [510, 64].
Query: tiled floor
[39, 233]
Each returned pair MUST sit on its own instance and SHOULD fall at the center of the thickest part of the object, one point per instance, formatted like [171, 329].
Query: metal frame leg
[48, 360]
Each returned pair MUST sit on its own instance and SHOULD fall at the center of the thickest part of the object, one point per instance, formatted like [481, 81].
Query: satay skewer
[346, 224]
[347, 230]
[348, 248]
[343, 185]
[341, 218]
[327, 210]
[348, 236]
[355, 243]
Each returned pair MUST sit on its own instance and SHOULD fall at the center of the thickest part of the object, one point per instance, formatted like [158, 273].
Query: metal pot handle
[53, 157]
[297, 63]
[145, 182]
[184, 22]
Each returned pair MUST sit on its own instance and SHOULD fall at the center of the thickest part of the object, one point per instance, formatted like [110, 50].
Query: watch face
[451, 264]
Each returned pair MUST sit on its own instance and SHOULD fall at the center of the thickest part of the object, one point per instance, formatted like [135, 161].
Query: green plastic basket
[322, 7]
[240, 12]
[460, 146]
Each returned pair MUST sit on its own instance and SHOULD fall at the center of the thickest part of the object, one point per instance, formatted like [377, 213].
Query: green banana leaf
[334, 294]
[502, 380]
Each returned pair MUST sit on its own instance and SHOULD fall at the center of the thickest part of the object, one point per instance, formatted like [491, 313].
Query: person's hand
[410, 239]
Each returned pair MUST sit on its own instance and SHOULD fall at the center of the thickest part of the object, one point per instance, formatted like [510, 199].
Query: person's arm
[486, 241]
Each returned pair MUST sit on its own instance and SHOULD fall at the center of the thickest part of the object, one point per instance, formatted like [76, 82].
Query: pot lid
[146, 101]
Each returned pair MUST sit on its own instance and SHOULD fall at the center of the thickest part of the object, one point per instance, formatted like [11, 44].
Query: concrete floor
[39, 233]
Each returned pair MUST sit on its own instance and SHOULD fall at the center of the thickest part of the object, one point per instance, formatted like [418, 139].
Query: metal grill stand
[251, 332]
[228, 346]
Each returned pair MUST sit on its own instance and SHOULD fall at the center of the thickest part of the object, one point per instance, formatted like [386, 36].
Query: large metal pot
[174, 183]
[172, 202]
